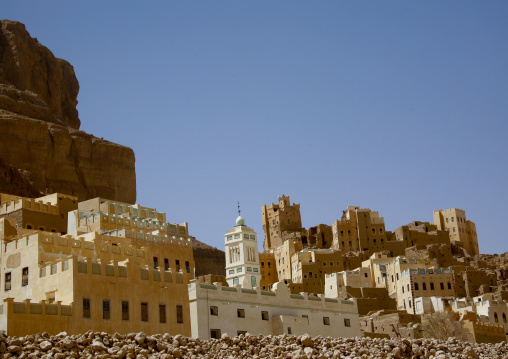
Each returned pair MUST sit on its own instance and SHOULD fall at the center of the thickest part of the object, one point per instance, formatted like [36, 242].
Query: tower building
[461, 230]
[242, 257]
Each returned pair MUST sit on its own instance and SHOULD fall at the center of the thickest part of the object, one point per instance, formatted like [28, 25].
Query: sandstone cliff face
[41, 147]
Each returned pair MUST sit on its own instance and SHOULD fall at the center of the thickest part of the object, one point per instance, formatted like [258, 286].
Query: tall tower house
[242, 257]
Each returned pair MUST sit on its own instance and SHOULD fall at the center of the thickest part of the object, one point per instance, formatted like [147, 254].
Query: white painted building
[429, 305]
[492, 311]
[242, 257]
[215, 310]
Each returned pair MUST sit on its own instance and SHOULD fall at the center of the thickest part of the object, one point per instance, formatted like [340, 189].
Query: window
[504, 317]
[289, 330]
[179, 314]
[24, 277]
[416, 286]
[215, 333]
[453, 229]
[431, 286]
[441, 285]
[125, 310]
[187, 266]
[240, 313]
[239, 270]
[408, 287]
[144, 311]
[496, 319]
[305, 316]
[162, 313]
[449, 285]
[28, 226]
[402, 289]
[447, 220]
[453, 220]
[177, 264]
[106, 313]
[326, 320]
[166, 264]
[86, 308]
[262, 264]
[241, 332]
[214, 310]
[264, 316]
[347, 322]
[424, 285]
[155, 263]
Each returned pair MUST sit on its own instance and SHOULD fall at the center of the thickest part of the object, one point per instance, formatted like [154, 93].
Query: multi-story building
[359, 229]
[268, 270]
[216, 310]
[280, 221]
[127, 274]
[414, 283]
[461, 230]
[377, 265]
[421, 233]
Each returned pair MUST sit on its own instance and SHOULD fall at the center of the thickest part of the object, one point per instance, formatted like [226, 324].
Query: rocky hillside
[42, 149]
[103, 345]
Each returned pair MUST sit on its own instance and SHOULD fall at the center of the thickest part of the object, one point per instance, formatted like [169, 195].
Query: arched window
[504, 317]
[496, 319]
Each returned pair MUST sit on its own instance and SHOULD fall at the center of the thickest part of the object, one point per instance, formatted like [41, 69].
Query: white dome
[240, 221]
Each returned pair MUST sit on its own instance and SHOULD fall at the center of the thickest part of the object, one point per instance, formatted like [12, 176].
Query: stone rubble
[164, 346]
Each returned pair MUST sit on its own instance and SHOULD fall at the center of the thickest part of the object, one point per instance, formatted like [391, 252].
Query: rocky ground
[141, 346]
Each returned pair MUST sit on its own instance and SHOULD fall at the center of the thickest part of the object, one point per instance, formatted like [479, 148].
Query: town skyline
[397, 108]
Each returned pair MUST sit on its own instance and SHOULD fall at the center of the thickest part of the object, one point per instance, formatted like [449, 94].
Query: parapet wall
[272, 298]
[28, 203]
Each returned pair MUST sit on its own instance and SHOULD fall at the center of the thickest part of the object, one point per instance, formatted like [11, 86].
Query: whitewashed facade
[216, 310]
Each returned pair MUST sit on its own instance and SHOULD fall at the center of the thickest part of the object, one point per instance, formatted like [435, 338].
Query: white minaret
[242, 258]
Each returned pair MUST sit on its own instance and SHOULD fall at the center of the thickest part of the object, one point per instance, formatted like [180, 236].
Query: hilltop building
[462, 231]
[280, 222]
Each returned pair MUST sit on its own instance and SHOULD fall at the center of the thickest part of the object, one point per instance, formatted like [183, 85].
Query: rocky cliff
[42, 149]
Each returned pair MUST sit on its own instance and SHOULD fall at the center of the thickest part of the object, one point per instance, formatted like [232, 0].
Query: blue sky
[400, 107]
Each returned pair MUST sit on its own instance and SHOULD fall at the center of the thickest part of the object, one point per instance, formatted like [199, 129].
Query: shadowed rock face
[41, 147]
[34, 82]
